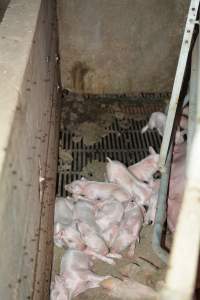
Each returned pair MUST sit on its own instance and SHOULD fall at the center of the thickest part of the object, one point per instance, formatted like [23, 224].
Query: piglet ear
[83, 178]
[77, 189]
[57, 227]
[151, 150]
[57, 280]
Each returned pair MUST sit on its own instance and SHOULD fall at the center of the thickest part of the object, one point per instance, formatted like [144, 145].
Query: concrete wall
[119, 46]
[29, 107]
[3, 6]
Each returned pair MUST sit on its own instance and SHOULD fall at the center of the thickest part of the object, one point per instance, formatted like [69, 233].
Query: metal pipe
[161, 211]
[180, 72]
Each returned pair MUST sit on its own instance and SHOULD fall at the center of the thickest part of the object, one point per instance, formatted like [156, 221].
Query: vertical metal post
[161, 212]
[185, 47]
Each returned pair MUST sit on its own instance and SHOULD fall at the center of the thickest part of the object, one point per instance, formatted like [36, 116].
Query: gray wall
[117, 46]
[3, 6]
[29, 107]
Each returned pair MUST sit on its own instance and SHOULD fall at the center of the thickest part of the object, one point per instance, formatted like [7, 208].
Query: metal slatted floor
[125, 144]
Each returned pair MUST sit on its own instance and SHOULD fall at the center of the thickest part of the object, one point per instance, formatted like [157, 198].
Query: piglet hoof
[130, 270]
[130, 254]
[110, 261]
[109, 283]
[104, 278]
[125, 270]
[160, 285]
[114, 255]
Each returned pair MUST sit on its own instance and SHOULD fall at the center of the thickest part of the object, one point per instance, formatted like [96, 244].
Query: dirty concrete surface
[120, 46]
[145, 267]
[90, 120]
[94, 170]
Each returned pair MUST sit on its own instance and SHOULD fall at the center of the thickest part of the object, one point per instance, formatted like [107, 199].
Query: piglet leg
[79, 197]
[131, 250]
[95, 279]
[99, 256]
[145, 128]
[151, 213]
[128, 289]
[114, 255]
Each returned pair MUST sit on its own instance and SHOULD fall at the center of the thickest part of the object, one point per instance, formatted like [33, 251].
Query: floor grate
[123, 143]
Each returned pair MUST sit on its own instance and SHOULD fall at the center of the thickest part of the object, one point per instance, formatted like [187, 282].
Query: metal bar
[161, 212]
[185, 47]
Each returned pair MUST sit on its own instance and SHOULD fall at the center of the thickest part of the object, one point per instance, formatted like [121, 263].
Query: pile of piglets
[99, 220]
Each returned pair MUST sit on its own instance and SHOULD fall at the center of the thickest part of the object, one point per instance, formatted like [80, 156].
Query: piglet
[90, 231]
[129, 229]
[109, 213]
[184, 122]
[176, 184]
[157, 120]
[110, 234]
[68, 236]
[75, 276]
[94, 191]
[108, 218]
[63, 217]
[180, 136]
[85, 212]
[145, 168]
[128, 289]
[185, 111]
[118, 173]
[63, 211]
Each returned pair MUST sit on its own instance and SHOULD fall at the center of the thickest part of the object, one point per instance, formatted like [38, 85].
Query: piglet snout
[157, 175]
[82, 247]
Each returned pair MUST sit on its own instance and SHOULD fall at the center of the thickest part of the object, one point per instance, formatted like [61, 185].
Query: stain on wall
[3, 6]
[126, 45]
[78, 72]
